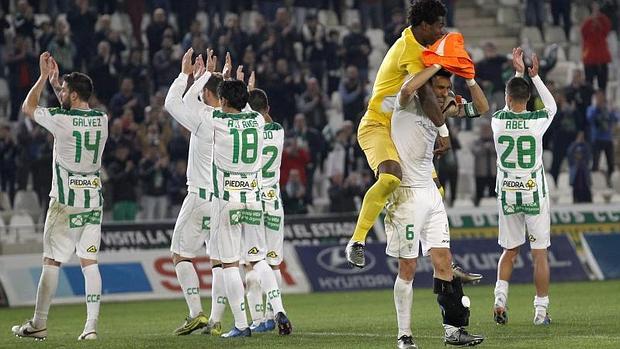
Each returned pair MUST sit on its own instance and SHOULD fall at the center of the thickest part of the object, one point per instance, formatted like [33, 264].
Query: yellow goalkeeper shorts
[375, 139]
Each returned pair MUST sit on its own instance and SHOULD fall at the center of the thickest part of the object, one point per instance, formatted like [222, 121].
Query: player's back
[414, 136]
[273, 137]
[403, 58]
[200, 156]
[79, 141]
[518, 140]
[237, 160]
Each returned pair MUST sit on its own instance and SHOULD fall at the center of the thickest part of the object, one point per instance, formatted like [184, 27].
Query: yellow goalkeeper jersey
[402, 59]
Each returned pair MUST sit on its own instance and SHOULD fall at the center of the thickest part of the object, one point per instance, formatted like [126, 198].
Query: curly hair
[427, 11]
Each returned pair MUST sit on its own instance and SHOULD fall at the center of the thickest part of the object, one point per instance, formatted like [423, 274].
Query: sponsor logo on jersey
[79, 220]
[91, 249]
[206, 223]
[269, 195]
[80, 183]
[240, 184]
[511, 184]
[253, 250]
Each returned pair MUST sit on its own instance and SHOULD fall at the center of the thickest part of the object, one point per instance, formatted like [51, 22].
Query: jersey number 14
[94, 146]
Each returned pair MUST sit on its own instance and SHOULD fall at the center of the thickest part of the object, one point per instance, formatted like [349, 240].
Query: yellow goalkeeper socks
[375, 199]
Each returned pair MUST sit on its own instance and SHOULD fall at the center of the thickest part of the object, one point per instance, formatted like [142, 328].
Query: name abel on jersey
[516, 125]
[87, 122]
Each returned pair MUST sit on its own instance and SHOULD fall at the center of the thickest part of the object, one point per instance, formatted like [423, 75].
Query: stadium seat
[460, 202]
[547, 158]
[574, 53]
[510, 3]
[328, 18]
[549, 181]
[533, 36]
[599, 182]
[615, 181]
[565, 199]
[555, 35]
[598, 198]
[615, 198]
[336, 101]
[563, 182]
[612, 42]
[27, 201]
[5, 202]
[476, 54]
[508, 16]
[376, 40]
[375, 58]
[561, 72]
[488, 202]
[22, 227]
[351, 16]
[575, 34]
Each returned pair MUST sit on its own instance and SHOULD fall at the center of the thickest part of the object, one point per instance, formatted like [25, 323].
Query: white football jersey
[237, 160]
[79, 141]
[414, 136]
[273, 137]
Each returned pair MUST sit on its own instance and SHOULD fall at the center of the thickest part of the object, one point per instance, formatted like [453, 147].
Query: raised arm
[174, 99]
[32, 99]
[543, 91]
[479, 104]
[415, 82]
[201, 77]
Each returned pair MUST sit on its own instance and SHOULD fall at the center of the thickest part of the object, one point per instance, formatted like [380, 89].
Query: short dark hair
[235, 92]
[427, 11]
[214, 82]
[79, 83]
[258, 100]
[444, 73]
[518, 89]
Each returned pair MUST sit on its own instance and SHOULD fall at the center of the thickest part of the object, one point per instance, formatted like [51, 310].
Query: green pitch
[585, 315]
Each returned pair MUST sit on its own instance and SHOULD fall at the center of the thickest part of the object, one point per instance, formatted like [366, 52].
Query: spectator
[42, 171]
[117, 46]
[30, 137]
[342, 192]
[335, 55]
[23, 72]
[595, 50]
[313, 40]
[123, 179]
[285, 85]
[178, 147]
[83, 19]
[195, 31]
[450, 12]
[104, 27]
[485, 163]
[580, 93]
[395, 28]
[177, 187]
[295, 156]
[561, 10]
[372, 13]
[259, 33]
[580, 177]
[8, 161]
[231, 36]
[47, 34]
[165, 63]
[535, 15]
[155, 31]
[103, 70]
[286, 34]
[357, 48]
[564, 128]
[116, 136]
[602, 121]
[293, 196]
[154, 174]
[353, 94]
[62, 47]
[127, 98]
[314, 104]
[308, 138]
[341, 159]
[137, 71]
[489, 72]
[24, 20]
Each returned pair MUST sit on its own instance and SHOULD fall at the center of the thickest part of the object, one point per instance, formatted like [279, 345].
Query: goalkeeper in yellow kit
[404, 58]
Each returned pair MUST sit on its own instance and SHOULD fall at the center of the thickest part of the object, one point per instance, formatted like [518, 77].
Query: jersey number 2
[94, 147]
[523, 151]
[272, 152]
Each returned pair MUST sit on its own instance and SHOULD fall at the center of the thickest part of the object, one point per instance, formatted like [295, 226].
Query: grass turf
[585, 315]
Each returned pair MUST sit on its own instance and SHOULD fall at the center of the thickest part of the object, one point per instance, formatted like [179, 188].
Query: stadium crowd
[318, 78]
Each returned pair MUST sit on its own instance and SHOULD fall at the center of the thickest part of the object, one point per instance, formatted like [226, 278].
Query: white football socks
[45, 292]
[541, 304]
[269, 285]
[235, 292]
[501, 293]
[92, 286]
[269, 315]
[403, 299]
[278, 275]
[188, 279]
[255, 296]
[218, 295]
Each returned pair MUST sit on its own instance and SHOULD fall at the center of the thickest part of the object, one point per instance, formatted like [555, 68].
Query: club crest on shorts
[91, 249]
[272, 254]
[253, 250]
[531, 237]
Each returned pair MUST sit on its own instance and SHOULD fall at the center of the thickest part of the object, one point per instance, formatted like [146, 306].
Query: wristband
[470, 110]
[519, 74]
[470, 82]
[443, 131]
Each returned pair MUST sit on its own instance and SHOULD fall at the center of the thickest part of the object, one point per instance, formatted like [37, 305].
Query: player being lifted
[191, 231]
[426, 19]
[236, 208]
[416, 214]
[523, 195]
[73, 221]
[273, 213]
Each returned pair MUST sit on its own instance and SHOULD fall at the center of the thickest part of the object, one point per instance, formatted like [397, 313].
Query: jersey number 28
[526, 151]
